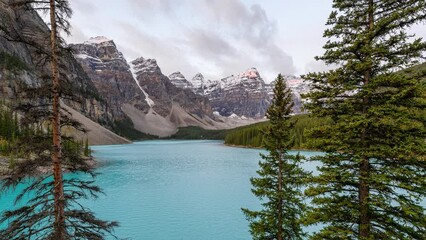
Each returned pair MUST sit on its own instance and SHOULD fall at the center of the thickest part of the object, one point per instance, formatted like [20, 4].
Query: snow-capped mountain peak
[243, 94]
[98, 40]
[249, 78]
[179, 80]
[98, 49]
[250, 73]
[143, 65]
[198, 81]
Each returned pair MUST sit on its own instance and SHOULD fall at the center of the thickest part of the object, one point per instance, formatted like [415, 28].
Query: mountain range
[116, 91]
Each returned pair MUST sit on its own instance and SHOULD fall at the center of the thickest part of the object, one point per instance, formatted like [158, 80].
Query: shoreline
[262, 148]
[5, 170]
[227, 145]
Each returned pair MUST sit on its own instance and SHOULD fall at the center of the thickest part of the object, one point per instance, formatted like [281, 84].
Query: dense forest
[198, 133]
[252, 135]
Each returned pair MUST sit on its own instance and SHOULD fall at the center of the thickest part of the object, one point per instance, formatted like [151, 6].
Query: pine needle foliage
[373, 178]
[34, 220]
[280, 176]
[53, 210]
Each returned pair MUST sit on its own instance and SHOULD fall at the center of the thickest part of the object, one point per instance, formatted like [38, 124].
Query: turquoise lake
[175, 189]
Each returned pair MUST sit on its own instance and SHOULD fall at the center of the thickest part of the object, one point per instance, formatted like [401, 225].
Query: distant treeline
[125, 128]
[198, 133]
[252, 135]
[12, 130]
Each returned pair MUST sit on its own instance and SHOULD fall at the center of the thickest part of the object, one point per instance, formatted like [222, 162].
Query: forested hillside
[198, 133]
[251, 136]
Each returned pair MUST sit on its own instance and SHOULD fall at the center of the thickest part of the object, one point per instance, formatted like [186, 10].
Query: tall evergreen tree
[280, 176]
[372, 179]
[53, 211]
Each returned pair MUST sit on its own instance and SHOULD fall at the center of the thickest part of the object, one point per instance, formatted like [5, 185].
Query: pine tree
[372, 179]
[280, 176]
[54, 210]
[59, 225]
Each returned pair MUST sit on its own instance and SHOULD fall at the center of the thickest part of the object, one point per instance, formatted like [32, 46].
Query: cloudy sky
[215, 37]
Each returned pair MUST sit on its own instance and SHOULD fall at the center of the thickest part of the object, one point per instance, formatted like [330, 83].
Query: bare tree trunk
[280, 203]
[59, 224]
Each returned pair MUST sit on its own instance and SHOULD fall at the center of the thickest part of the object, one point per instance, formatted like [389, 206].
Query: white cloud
[318, 66]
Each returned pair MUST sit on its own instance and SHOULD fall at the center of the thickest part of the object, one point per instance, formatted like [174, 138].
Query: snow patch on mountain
[85, 56]
[250, 79]
[134, 72]
[100, 49]
[97, 40]
[244, 94]
[198, 81]
[143, 65]
[234, 116]
[180, 81]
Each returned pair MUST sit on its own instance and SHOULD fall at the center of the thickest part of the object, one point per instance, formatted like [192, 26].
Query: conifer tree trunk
[364, 188]
[59, 223]
[280, 201]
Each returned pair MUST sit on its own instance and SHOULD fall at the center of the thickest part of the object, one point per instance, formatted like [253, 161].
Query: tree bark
[364, 192]
[364, 188]
[280, 201]
[59, 224]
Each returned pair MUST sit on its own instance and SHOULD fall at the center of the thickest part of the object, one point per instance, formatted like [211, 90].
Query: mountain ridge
[140, 91]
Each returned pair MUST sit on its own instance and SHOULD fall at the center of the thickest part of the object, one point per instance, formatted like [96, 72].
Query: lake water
[175, 189]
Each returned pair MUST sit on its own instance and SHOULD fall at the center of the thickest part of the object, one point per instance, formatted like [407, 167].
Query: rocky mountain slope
[141, 92]
[18, 69]
[244, 95]
[164, 93]
[180, 81]
[109, 72]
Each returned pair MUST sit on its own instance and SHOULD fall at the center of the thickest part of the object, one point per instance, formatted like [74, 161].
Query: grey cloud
[209, 44]
[169, 53]
[77, 35]
[265, 30]
[318, 66]
[229, 35]
[278, 60]
[146, 8]
[83, 6]
[250, 24]
[244, 22]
